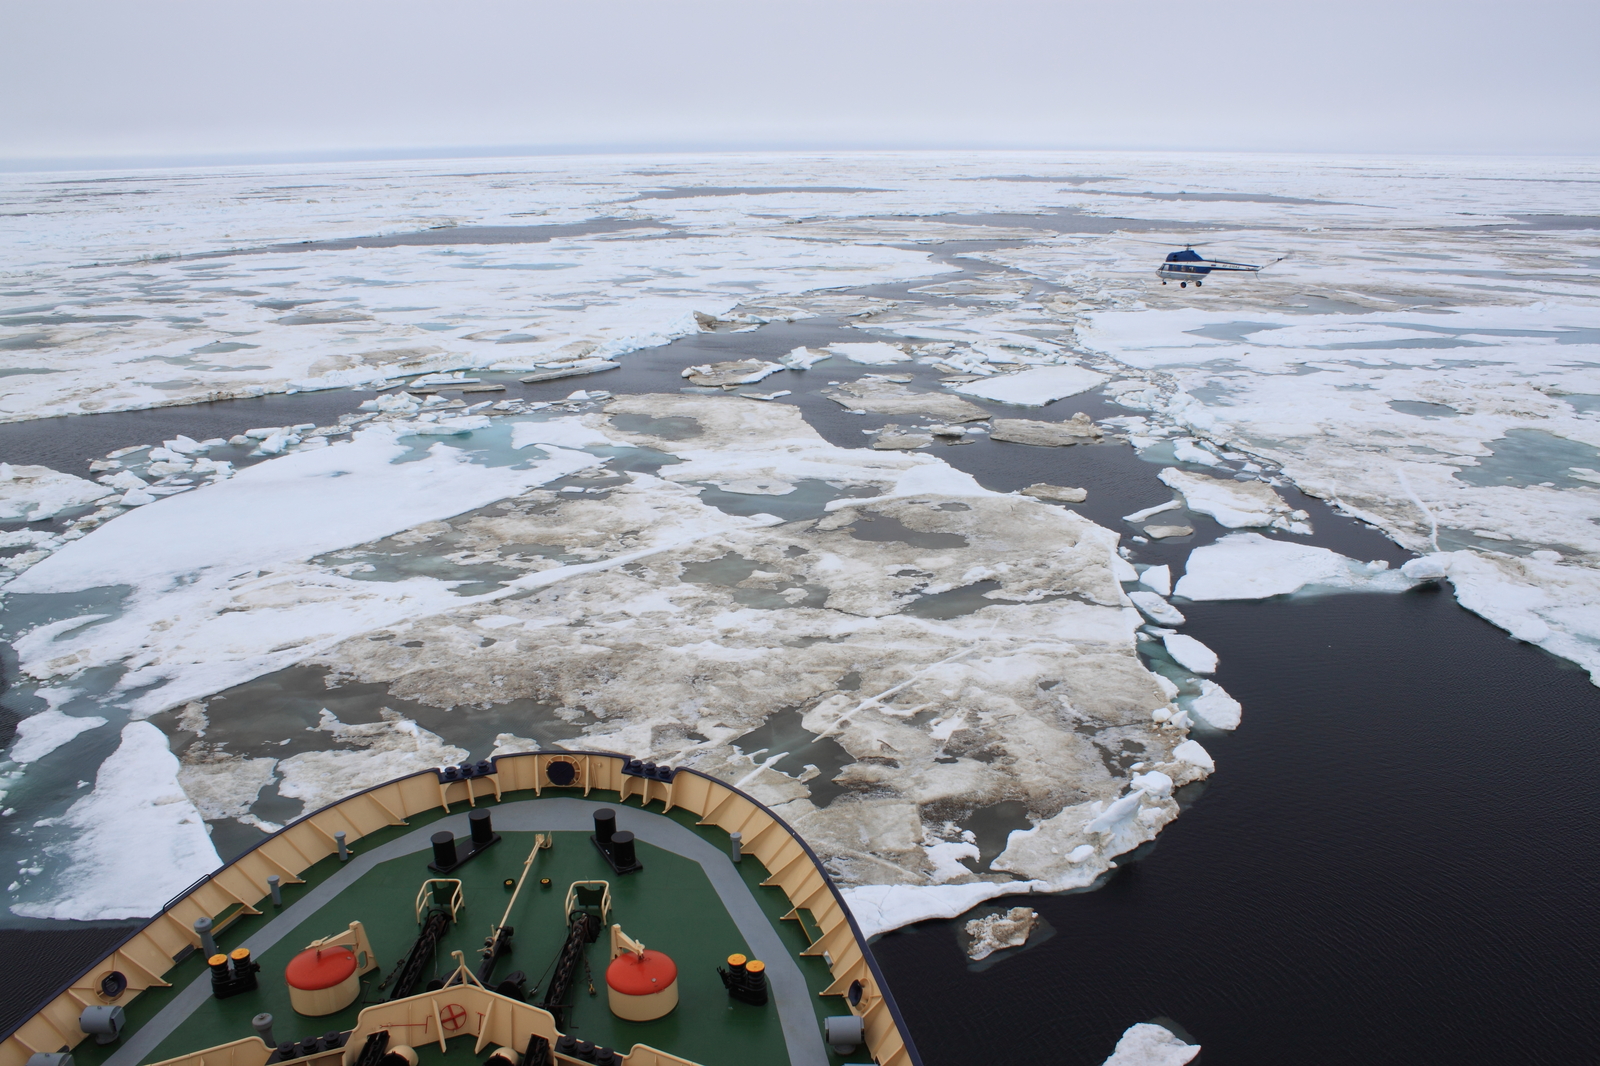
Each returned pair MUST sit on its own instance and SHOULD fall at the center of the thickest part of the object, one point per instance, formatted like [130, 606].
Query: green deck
[670, 906]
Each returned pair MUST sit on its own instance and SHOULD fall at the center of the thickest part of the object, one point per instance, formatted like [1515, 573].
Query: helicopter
[1188, 265]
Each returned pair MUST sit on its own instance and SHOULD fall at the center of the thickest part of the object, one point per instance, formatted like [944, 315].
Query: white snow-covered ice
[1249, 566]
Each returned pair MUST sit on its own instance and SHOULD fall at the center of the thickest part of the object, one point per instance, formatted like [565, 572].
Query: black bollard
[622, 849]
[605, 825]
[444, 850]
[482, 831]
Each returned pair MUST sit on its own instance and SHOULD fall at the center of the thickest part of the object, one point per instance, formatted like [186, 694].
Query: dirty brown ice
[954, 647]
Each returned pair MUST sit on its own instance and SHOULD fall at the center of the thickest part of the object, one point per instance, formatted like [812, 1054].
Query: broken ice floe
[35, 493]
[679, 641]
[877, 395]
[221, 590]
[736, 372]
[1034, 388]
[1234, 504]
[1079, 429]
[996, 932]
[1058, 493]
[1147, 1044]
[1248, 566]
[136, 840]
[875, 353]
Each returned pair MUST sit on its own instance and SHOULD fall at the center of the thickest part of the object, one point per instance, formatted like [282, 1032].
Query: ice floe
[137, 839]
[221, 590]
[1189, 653]
[1034, 388]
[1147, 1044]
[1249, 566]
[997, 932]
[1234, 504]
[34, 493]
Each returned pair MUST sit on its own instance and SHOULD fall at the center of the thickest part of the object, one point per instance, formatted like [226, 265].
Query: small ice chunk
[1146, 1044]
[276, 444]
[1009, 929]
[803, 358]
[1190, 654]
[1215, 707]
[1154, 782]
[1248, 566]
[1187, 451]
[40, 734]
[452, 427]
[876, 353]
[1081, 854]
[1163, 532]
[1156, 609]
[1059, 493]
[1121, 811]
[732, 372]
[1140, 516]
[1234, 504]
[1192, 753]
[1428, 567]
[1034, 388]
[1158, 578]
[135, 498]
[35, 493]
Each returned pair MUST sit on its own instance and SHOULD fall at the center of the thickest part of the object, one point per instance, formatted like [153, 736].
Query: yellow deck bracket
[354, 938]
[605, 899]
[425, 897]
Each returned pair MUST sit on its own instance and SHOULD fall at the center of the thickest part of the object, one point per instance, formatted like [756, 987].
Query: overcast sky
[177, 81]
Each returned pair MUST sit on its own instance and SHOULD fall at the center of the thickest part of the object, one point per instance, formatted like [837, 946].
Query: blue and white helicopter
[1189, 265]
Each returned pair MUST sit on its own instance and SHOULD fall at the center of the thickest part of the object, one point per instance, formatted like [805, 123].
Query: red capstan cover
[316, 968]
[635, 976]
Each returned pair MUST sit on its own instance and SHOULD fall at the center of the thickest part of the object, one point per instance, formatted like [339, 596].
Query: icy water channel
[1391, 863]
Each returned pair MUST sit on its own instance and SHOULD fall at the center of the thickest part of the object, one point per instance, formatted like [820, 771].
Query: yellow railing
[236, 888]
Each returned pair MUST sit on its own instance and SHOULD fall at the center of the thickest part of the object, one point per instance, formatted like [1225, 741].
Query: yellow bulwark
[236, 888]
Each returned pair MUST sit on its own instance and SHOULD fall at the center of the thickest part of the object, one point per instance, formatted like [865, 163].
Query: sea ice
[1234, 504]
[1077, 430]
[222, 591]
[40, 734]
[137, 841]
[1146, 1044]
[1034, 388]
[876, 353]
[880, 908]
[1215, 707]
[875, 395]
[735, 372]
[1189, 653]
[1058, 493]
[995, 932]
[1248, 566]
[1156, 609]
[670, 639]
[1158, 578]
[35, 493]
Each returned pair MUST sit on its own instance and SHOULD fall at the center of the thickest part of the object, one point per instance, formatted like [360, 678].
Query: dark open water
[1395, 862]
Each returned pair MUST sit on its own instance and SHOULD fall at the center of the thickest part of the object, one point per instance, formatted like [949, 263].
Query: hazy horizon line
[175, 161]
